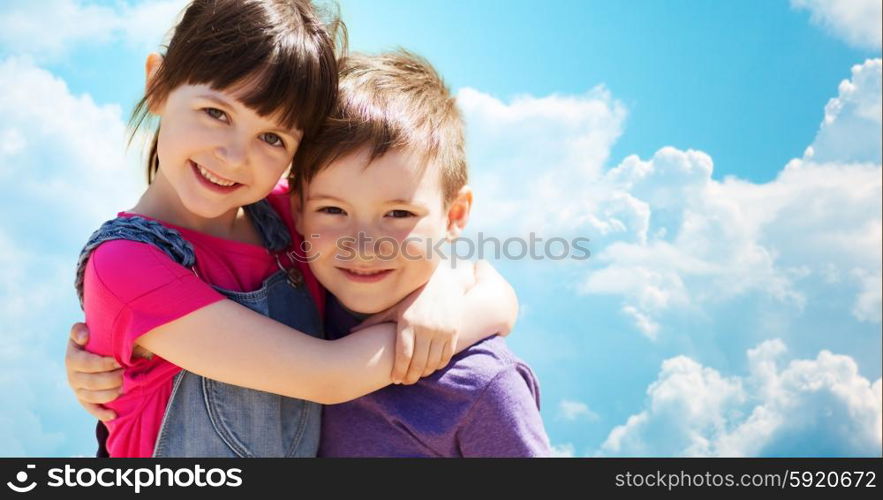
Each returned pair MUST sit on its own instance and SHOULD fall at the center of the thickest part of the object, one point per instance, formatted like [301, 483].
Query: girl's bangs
[295, 91]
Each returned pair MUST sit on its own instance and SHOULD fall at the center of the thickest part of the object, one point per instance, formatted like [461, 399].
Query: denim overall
[207, 418]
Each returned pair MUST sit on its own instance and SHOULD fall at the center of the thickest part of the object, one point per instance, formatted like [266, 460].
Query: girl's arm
[459, 306]
[278, 359]
[230, 343]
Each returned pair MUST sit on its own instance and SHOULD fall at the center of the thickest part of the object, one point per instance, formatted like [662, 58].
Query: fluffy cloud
[522, 150]
[63, 170]
[852, 126]
[575, 410]
[565, 450]
[48, 29]
[809, 407]
[666, 235]
[855, 21]
[61, 152]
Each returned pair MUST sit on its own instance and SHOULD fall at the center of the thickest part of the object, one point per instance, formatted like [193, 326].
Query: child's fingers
[79, 333]
[99, 412]
[448, 352]
[101, 381]
[96, 397]
[419, 360]
[78, 360]
[404, 353]
[433, 361]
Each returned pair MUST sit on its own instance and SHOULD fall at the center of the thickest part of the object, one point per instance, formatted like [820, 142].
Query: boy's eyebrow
[324, 197]
[397, 201]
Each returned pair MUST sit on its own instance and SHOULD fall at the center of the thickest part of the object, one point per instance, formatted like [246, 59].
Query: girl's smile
[213, 181]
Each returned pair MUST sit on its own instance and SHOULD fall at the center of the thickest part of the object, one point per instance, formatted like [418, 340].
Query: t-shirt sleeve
[131, 288]
[505, 420]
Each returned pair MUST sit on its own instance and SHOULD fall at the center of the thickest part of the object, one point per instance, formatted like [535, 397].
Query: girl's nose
[233, 153]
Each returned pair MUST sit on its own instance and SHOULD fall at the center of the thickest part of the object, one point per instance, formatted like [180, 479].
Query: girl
[202, 284]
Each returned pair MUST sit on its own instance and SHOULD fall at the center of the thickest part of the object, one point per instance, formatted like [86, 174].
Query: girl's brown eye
[216, 113]
[273, 139]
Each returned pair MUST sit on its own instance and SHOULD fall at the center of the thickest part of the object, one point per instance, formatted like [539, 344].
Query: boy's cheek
[321, 247]
[414, 249]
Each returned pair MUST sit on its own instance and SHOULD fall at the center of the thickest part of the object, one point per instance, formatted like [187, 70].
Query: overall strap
[137, 229]
[273, 230]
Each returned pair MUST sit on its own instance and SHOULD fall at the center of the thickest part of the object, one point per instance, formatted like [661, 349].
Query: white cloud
[814, 407]
[522, 150]
[852, 126]
[666, 235]
[565, 450]
[576, 410]
[63, 171]
[51, 28]
[69, 153]
[858, 22]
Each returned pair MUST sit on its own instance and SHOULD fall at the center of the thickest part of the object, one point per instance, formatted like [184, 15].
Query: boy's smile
[365, 275]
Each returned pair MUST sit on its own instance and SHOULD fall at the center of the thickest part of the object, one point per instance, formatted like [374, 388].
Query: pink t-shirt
[131, 288]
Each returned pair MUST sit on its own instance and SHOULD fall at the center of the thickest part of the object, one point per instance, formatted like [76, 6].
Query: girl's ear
[151, 66]
[458, 212]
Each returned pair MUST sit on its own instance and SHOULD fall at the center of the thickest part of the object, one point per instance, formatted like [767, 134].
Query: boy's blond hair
[391, 101]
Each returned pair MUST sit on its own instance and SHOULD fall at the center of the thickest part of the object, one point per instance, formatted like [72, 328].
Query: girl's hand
[429, 323]
[94, 379]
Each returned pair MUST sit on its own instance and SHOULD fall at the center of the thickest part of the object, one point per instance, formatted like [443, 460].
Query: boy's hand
[429, 321]
[94, 379]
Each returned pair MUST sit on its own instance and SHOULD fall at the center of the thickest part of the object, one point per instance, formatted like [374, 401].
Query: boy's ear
[151, 66]
[458, 212]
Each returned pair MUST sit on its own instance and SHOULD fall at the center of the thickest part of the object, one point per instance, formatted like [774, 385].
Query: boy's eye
[216, 113]
[273, 140]
[400, 214]
[332, 211]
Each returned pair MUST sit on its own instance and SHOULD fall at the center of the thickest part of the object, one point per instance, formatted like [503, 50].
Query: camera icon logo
[20, 478]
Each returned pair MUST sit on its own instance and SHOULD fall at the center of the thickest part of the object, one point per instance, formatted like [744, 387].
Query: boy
[383, 182]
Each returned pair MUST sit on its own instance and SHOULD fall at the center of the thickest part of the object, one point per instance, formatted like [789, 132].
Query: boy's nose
[371, 245]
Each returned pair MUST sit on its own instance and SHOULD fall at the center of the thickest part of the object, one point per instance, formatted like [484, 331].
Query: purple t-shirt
[485, 403]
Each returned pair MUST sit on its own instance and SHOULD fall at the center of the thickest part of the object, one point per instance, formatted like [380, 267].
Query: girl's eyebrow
[216, 99]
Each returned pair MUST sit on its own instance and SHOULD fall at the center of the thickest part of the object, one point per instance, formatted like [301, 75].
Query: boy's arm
[505, 421]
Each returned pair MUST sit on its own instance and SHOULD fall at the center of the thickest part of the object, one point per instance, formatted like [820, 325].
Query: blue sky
[723, 158]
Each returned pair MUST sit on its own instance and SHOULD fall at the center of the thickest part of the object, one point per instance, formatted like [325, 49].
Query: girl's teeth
[214, 180]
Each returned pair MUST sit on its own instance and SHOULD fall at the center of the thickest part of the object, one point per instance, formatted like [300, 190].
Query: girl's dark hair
[279, 51]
